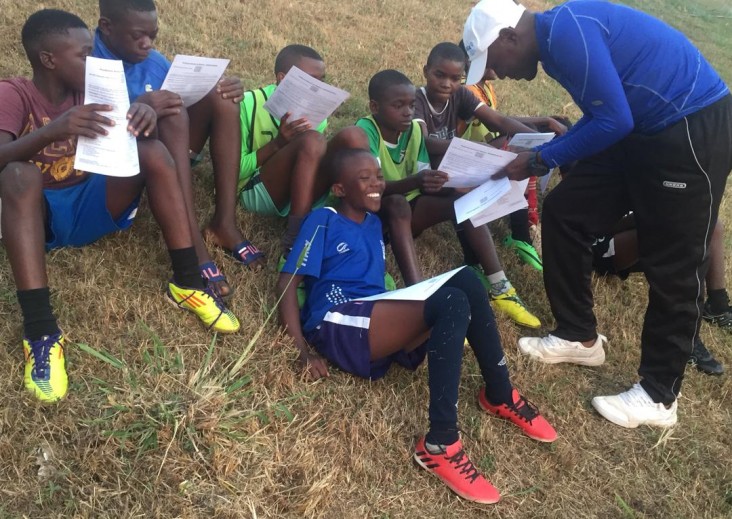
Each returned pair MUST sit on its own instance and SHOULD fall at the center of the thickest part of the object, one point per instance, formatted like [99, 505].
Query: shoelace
[216, 299]
[525, 409]
[636, 396]
[41, 350]
[466, 467]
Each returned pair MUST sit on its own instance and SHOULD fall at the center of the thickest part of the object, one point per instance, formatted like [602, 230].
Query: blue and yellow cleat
[206, 305]
[45, 368]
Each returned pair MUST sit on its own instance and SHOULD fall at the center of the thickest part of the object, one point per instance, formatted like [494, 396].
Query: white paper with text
[192, 77]
[303, 96]
[114, 154]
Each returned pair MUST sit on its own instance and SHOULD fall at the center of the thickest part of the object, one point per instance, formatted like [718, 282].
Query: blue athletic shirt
[146, 76]
[627, 71]
[341, 260]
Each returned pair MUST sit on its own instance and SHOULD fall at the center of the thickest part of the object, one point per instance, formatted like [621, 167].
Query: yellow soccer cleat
[207, 306]
[45, 368]
[510, 304]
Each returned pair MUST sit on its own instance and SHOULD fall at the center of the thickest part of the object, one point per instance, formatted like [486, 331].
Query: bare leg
[431, 210]
[23, 229]
[397, 215]
[715, 275]
[158, 173]
[218, 119]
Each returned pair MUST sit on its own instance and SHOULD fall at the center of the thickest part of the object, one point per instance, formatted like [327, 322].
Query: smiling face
[360, 186]
[131, 37]
[395, 110]
[68, 58]
[511, 56]
[443, 79]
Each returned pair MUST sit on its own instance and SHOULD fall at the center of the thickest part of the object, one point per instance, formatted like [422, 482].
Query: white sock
[499, 283]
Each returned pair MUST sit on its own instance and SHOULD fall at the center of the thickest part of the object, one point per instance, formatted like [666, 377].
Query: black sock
[718, 300]
[38, 319]
[520, 225]
[185, 268]
[482, 334]
[469, 255]
[293, 229]
[447, 313]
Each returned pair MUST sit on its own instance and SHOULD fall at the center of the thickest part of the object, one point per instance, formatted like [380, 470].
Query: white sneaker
[553, 350]
[635, 407]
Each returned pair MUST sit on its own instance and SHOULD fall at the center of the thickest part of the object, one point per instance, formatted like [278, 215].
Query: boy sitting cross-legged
[126, 31]
[47, 204]
[397, 140]
[339, 254]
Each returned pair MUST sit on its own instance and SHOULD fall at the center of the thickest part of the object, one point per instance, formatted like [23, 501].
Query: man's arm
[497, 122]
[583, 57]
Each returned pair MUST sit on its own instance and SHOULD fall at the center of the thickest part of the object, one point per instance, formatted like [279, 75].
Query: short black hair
[341, 161]
[447, 51]
[292, 54]
[116, 9]
[384, 80]
[45, 23]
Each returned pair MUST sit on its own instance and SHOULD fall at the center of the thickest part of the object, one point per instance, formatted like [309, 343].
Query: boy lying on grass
[339, 253]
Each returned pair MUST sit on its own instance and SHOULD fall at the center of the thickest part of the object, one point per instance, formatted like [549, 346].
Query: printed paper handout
[114, 154]
[470, 164]
[303, 96]
[192, 77]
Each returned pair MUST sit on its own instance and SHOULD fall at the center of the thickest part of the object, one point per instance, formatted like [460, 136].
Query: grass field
[165, 420]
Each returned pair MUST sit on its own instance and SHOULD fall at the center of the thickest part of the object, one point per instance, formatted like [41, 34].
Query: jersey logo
[342, 248]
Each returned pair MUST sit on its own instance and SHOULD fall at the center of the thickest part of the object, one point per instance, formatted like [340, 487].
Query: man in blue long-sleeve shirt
[655, 139]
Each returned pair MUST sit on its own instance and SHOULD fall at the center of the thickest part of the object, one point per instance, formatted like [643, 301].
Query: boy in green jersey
[279, 161]
[397, 140]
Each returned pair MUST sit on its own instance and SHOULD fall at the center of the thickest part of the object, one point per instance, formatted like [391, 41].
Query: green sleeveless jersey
[258, 128]
[408, 157]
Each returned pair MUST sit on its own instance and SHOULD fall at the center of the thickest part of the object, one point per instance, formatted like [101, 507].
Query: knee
[176, 123]
[20, 181]
[447, 303]
[217, 104]
[351, 137]
[396, 208]
[311, 144]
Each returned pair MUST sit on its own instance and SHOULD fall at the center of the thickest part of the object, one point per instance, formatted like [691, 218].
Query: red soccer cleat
[455, 469]
[522, 413]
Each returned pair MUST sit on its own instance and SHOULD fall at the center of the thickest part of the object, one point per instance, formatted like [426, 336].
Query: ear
[105, 25]
[279, 77]
[373, 106]
[424, 71]
[508, 35]
[337, 190]
[47, 59]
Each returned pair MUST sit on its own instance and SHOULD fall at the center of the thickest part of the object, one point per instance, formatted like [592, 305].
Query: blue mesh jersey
[627, 71]
[146, 76]
[341, 260]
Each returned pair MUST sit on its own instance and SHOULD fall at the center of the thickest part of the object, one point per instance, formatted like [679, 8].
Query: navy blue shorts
[343, 338]
[77, 215]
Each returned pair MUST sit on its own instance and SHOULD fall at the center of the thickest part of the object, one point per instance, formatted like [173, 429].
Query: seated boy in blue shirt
[339, 254]
[397, 140]
[47, 204]
[126, 31]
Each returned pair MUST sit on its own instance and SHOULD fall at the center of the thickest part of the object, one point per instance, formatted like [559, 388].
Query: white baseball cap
[482, 27]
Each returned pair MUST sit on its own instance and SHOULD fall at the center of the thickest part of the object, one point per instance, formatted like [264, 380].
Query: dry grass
[167, 422]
